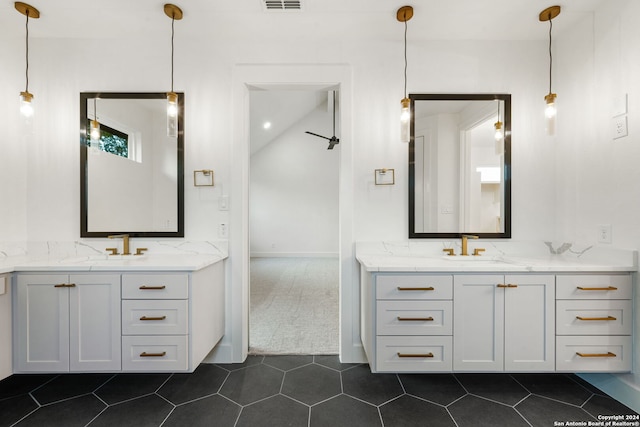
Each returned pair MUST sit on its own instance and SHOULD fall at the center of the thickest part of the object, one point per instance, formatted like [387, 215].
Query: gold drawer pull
[415, 355]
[145, 354]
[65, 285]
[596, 318]
[147, 288]
[153, 318]
[507, 286]
[430, 288]
[608, 288]
[609, 354]
[417, 319]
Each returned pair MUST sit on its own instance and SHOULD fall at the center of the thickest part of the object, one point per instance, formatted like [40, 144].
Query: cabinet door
[478, 323]
[6, 349]
[42, 323]
[529, 337]
[94, 324]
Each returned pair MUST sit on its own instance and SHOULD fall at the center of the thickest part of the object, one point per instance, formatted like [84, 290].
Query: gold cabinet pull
[608, 288]
[596, 318]
[417, 319]
[500, 285]
[509, 285]
[65, 285]
[415, 355]
[145, 354]
[429, 288]
[153, 318]
[147, 288]
[609, 354]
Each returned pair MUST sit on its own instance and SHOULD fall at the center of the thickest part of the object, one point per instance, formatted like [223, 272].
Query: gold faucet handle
[476, 251]
[140, 251]
[449, 251]
[114, 251]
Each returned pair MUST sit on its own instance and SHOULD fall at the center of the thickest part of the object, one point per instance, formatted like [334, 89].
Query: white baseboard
[222, 353]
[622, 387]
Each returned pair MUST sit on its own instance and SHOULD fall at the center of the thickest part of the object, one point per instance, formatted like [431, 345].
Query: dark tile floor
[299, 391]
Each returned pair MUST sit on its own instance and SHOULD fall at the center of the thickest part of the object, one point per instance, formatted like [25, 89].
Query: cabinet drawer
[414, 354]
[414, 318]
[593, 286]
[154, 353]
[597, 354]
[592, 317]
[154, 317]
[419, 286]
[155, 286]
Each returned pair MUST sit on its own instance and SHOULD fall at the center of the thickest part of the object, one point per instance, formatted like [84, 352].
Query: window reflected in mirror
[131, 172]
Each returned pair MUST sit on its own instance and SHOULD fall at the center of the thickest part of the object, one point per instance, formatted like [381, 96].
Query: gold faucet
[465, 237]
[125, 242]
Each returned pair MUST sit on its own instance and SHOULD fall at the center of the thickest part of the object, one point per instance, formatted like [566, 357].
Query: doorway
[293, 223]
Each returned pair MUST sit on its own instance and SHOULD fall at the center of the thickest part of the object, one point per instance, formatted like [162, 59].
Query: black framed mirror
[131, 172]
[460, 165]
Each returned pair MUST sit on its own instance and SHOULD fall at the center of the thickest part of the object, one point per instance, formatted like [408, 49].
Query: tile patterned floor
[299, 391]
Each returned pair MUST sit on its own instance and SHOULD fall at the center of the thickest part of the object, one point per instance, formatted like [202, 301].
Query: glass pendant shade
[499, 131]
[405, 120]
[94, 131]
[26, 104]
[550, 113]
[172, 114]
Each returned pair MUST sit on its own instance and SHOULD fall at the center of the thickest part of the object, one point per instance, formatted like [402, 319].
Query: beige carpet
[294, 306]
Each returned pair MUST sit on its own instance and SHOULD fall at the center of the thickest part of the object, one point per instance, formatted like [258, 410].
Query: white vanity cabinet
[131, 321]
[67, 322]
[503, 322]
[6, 355]
[594, 323]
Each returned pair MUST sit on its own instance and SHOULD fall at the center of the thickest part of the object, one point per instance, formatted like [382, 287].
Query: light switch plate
[620, 128]
[223, 203]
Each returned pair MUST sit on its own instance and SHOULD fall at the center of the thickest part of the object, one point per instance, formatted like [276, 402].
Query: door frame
[234, 346]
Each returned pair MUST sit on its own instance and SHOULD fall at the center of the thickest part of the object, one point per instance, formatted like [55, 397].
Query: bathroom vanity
[162, 313]
[496, 314]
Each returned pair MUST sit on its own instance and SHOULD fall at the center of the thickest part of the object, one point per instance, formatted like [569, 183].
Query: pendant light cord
[550, 54]
[27, 52]
[173, 20]
[405, 58]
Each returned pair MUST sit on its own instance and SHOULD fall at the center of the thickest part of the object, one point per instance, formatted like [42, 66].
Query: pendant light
[94, 126]
[175, 13]
[499, 135]
[404, 14]
[26, 98]
[550, 111]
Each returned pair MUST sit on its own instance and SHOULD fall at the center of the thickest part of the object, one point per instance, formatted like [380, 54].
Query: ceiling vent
[275, 5]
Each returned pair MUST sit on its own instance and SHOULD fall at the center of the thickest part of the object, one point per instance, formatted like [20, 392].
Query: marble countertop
[159, 262]
[514, 257]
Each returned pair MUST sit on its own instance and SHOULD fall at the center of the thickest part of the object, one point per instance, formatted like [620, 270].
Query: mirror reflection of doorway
[293, 215]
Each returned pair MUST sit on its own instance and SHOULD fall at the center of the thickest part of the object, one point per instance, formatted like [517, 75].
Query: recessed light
[267, 125]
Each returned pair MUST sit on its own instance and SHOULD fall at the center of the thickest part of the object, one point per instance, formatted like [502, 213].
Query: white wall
[599, 177]
[58, 74]
[293, 201]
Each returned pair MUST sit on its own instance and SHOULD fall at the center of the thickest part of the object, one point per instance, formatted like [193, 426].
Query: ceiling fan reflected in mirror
[333, 141]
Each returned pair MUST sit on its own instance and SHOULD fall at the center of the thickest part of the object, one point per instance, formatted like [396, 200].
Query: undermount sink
[472, 258]
[121, 257]
[103, 257]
